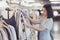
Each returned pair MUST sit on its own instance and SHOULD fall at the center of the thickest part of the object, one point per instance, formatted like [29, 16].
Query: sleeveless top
[12, 22]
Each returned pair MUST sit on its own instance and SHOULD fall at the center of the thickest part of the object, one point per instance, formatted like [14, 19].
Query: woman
[45, 21]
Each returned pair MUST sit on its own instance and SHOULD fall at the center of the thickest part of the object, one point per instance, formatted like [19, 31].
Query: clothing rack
[8, 10]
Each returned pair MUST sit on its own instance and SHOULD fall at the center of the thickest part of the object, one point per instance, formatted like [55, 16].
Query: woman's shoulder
[50, 20]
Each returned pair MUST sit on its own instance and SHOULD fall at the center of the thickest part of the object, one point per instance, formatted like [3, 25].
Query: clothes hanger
[8, 9]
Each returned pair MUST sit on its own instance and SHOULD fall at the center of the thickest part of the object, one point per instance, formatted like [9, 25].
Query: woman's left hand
[27, 13]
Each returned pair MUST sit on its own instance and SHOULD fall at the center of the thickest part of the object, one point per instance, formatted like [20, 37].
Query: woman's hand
[27, 13]
[26, 24]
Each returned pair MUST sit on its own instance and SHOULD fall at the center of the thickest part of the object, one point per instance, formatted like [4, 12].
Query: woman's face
[44, 12]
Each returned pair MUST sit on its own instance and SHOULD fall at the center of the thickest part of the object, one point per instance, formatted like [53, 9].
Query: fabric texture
[12, 22]
[9, 32]
[13, 32]
[3, 34]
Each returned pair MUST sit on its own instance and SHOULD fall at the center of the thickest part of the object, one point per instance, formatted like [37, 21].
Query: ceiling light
[33, 4]
[29, 0]
[54, 0]
[37, 4]
[55, 13]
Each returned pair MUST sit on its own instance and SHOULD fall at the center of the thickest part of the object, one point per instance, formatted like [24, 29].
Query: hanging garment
[22, 29]
[35, 33]
[13, 32]
[4, 36]
[22, 34]
[12, 22]
[18, 19]
[27, 30]
[6, 33]
[1, 38]
[9, 32]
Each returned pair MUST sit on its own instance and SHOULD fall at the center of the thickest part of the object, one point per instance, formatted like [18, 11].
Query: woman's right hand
[27, 13]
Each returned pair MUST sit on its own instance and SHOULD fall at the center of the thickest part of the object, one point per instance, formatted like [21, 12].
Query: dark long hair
[49, 10]
[49, 14]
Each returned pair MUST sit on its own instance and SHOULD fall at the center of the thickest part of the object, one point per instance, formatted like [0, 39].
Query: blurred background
[35, 5]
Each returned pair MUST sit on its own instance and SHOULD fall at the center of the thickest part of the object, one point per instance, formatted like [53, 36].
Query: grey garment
[6, 33]
[17, 16]
[20, 26]
[28, 30]
[22, 35]
[20, 29]
[3, 34]
[45, 35]
[13, 32]
[8, 29]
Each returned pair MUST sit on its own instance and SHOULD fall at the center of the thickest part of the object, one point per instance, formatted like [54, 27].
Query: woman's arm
[41, 28]
[33, 20]
[35, 27]
[46, 25]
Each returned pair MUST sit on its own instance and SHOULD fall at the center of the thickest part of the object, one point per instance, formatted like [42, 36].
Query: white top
[45, 35]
